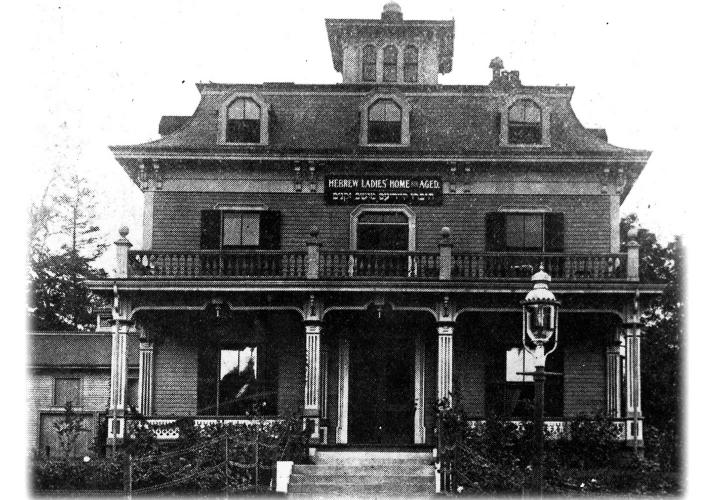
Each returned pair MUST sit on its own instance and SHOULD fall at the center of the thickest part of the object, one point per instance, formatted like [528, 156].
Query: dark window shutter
[270, 230]
[495, 232]
[554, 232]
[210, 230]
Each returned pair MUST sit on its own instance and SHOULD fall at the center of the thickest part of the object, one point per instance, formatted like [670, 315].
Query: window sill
[385, 145]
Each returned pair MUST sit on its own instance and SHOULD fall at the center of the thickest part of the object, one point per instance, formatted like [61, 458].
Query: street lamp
[540, 326]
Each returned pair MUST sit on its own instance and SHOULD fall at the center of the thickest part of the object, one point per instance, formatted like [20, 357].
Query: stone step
[394, 469]
[369, 457]
[330, 489]
[297, 479]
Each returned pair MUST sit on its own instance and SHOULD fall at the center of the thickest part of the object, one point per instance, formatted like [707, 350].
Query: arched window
[383, 231]
[369, 58]
[384, 122]
[390, 57]
[243, 121]
[525, 123]
[410, 64]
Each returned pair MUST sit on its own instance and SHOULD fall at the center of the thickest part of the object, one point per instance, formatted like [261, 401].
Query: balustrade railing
[367, 264]
[203, 263]
[379, 264]
[561, 266]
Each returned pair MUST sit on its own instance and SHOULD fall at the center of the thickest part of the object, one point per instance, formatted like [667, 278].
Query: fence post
[313, 254]
[445, 254]
[633, 255]
[257, 468]
[226, 463]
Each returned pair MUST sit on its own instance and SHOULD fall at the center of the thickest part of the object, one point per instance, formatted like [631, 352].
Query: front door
[381, 389]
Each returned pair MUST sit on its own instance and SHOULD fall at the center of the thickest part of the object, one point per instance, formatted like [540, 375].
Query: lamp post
[540, 321]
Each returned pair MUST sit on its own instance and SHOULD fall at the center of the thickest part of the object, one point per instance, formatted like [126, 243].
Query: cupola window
[410, 64]
[390, 59]
[525, 123]
[243, 121]
[384, 123]
[369, 59]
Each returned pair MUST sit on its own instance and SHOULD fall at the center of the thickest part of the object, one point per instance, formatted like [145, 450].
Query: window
[383, 231]
[243, 121]
[524, 232]
[390, 57]
[241, 229]
[237, 379]
[220, 229]
[67, 390]
[524, 123]
[384, 123]
[369, 59]
[511, 395]
[410, 64]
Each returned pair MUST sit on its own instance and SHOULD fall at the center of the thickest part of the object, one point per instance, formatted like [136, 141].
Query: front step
[360, 473]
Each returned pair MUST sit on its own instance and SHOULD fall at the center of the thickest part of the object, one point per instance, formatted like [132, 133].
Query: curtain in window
[243, 121]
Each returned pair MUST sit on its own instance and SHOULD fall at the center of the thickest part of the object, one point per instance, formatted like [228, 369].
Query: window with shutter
[238, 229]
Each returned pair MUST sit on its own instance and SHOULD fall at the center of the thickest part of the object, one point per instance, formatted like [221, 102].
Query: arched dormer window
[384, 122]
[390, 59]
[369, 59]
[243, 121]
[525, 123]
[410, 64]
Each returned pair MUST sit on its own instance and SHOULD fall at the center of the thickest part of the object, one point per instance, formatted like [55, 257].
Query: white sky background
[84, 75]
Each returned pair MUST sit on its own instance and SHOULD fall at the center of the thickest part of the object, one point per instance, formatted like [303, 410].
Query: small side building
[75, 367]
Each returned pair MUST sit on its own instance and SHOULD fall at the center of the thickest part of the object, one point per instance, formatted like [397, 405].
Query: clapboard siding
[469, 363]
[175, 379]
[291, 375]
[584, 380]
[176, 224]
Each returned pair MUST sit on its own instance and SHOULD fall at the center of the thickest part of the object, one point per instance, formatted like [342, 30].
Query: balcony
[317, 264]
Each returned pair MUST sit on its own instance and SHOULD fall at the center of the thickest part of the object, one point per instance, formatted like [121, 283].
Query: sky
[83, 75]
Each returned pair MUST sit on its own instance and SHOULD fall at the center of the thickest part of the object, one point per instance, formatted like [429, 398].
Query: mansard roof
[445, 121]
[91, 350]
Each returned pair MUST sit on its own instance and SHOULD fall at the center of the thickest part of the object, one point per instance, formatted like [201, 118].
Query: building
[358, 251]
[72, 367]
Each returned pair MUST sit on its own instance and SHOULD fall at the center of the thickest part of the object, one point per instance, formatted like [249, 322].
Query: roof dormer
[391, 49]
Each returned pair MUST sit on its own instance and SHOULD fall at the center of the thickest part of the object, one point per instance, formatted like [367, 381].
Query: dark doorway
[381, 386]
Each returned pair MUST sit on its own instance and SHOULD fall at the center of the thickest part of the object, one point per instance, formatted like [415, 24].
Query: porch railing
[314, 262]
[379, 264]
[210, 263]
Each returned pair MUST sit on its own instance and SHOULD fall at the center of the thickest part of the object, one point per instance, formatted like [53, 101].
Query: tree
[664, 327]
[64, 242]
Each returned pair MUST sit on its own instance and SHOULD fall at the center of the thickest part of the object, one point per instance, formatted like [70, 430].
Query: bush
[586, 442]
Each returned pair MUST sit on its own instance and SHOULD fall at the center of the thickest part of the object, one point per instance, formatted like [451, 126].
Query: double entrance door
[381, 396]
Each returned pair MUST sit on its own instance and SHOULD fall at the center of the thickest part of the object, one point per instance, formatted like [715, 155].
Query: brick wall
[176, 223]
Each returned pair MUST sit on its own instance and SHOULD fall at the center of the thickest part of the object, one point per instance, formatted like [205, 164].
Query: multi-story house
[358, 251]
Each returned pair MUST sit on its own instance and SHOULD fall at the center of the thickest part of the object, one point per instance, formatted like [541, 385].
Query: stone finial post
[123, 247]
[633, 255]
[445, 254]
[313, 254]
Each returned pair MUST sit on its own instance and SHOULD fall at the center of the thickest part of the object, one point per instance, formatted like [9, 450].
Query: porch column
[632, 370]
[118, 380]
[312, 376]
[445, 360]
[341, 433]
[419, 388]
[146, 375]
[614, 377]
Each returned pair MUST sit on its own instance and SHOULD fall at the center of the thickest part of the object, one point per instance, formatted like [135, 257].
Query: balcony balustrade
[315, 263]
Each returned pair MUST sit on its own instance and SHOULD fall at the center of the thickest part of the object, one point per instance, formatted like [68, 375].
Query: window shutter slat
[495, 232]
[554, 232]
[210, 230]
[270, 230]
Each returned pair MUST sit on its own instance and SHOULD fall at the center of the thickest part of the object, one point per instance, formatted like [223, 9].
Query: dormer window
[525, 123]
[410, 64]
[390, 59]
[384, 122]
[369, 60]
[243, 121]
